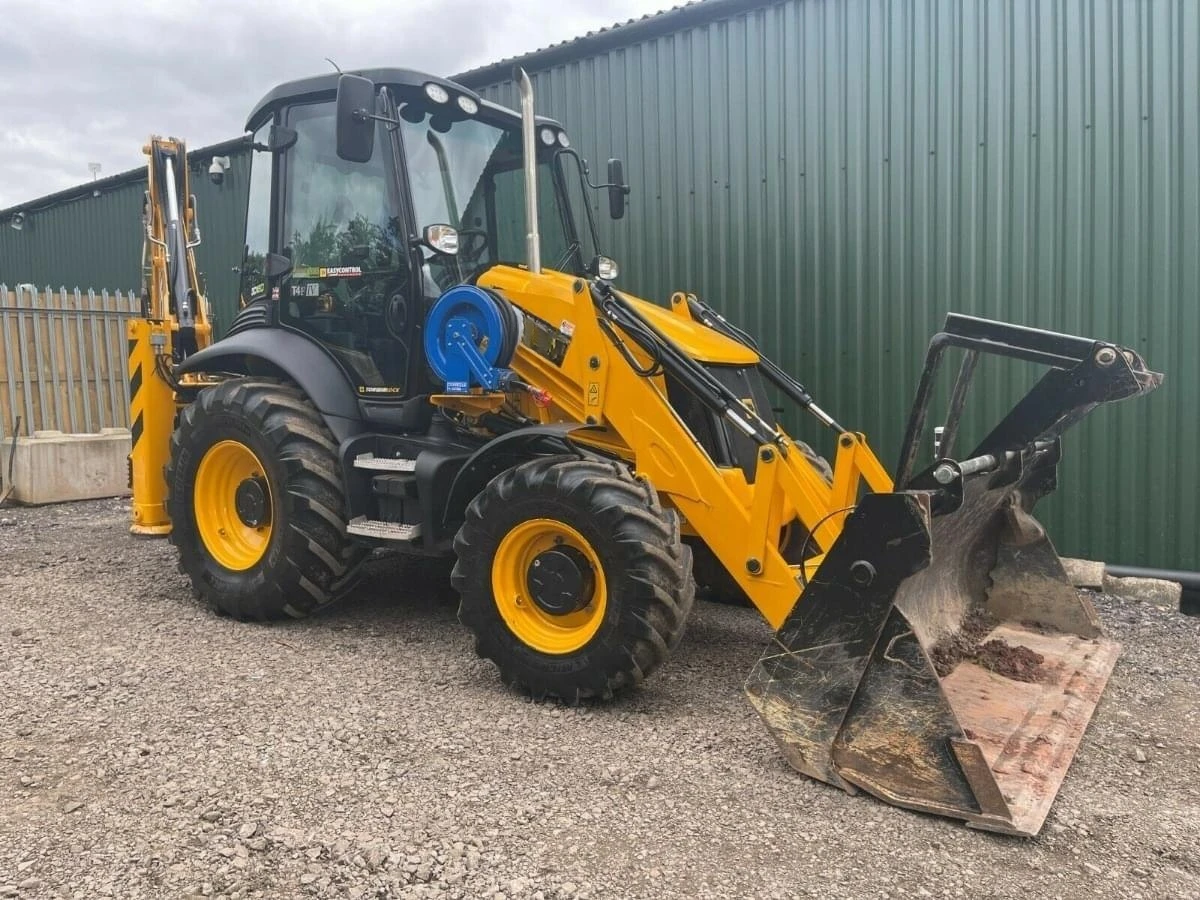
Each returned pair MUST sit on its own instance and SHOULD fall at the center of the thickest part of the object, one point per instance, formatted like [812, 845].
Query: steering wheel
[463, 245]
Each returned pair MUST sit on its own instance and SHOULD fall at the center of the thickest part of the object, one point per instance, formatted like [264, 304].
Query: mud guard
[505, 452]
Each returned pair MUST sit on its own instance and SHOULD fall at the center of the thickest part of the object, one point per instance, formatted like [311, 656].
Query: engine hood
[697, 341]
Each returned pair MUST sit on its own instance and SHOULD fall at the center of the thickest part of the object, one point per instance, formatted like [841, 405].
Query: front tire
[614, 589]
[255, 497]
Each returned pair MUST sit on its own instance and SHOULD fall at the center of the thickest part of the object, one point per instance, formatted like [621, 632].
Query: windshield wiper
[439, 150]
[572, 249]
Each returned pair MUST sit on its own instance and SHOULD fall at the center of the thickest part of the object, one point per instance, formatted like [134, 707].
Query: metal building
[836, 175]
[90, 236]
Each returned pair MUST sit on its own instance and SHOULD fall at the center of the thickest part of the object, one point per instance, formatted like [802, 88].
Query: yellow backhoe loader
[406, 373]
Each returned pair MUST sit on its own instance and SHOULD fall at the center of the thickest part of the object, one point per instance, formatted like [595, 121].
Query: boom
[173, 325]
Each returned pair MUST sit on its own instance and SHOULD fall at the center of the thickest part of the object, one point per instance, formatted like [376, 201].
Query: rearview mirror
[616, 188]
[355, 122]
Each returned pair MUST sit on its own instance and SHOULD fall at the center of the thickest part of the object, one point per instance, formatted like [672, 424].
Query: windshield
[467, 173]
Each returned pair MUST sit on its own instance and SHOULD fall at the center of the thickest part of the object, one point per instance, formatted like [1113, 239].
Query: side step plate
[384, 531]
[384, 463]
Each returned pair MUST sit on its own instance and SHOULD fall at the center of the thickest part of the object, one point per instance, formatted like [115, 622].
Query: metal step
[385, 531]
[383, 463]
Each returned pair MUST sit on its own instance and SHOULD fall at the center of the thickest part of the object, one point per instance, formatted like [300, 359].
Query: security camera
[218, 168]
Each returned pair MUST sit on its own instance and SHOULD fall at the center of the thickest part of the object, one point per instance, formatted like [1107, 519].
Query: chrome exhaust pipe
[533, 248]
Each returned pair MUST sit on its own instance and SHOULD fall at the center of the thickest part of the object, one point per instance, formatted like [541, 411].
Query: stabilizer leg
[151, 419]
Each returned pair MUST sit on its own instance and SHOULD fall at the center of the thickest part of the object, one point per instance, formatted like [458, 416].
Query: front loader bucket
[940, 658]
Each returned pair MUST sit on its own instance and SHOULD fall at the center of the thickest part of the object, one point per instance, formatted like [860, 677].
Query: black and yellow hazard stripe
[151, 414]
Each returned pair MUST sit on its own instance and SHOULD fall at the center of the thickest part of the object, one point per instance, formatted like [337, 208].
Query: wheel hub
[250, 501]
[560, 580]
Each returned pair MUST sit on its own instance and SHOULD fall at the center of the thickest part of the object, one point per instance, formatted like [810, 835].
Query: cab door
[350, 285]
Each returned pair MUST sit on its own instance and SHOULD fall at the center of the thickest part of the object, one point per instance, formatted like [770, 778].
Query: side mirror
[277, 266]
[355, 118]
[441, 239]
[281, 138]
[617, 188]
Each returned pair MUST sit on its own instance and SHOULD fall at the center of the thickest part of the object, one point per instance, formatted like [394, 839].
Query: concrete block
[52, 467]
[1084, 573]
[1155, 591]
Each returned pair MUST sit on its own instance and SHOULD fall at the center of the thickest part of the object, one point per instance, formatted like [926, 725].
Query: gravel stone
[368, 753]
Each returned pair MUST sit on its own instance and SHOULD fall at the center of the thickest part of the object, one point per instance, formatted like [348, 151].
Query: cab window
[349, 286]
[258, 223]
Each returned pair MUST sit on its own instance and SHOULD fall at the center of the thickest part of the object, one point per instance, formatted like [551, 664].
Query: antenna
[94, 168]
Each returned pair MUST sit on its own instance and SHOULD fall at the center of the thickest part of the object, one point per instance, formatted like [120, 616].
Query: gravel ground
[151, 749]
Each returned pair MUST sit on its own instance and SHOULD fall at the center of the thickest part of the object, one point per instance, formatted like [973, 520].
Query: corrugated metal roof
[620, 34]
[90, 236]
[198, 157]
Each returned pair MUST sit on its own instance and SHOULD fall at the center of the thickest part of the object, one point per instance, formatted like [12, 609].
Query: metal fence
[63, 359]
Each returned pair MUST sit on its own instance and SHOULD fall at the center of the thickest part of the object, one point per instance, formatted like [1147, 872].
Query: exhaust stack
[533, 247]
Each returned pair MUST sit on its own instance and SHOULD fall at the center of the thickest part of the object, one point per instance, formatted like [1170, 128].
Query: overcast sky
[89, 80]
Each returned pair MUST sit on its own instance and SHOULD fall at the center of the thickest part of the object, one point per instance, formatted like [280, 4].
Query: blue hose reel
[471, 335]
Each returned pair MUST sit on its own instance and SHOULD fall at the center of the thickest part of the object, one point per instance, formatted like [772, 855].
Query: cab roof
[324, 87]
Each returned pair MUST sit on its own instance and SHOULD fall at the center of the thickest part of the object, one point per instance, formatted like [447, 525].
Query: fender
[505, 452]
[274, 351]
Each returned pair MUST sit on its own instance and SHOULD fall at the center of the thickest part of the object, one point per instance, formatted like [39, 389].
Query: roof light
[437, 93]
[563, 140]
[547, 135]
[467, 105]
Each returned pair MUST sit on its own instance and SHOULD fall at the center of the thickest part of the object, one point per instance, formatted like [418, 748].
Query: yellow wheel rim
[232, 542]
[532, 625]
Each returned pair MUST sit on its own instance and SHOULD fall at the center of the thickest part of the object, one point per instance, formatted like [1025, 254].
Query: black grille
[727, 446]
[253, 316]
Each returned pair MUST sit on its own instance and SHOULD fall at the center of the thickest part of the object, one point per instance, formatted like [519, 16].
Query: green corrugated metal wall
[838, 174]
[96, 242]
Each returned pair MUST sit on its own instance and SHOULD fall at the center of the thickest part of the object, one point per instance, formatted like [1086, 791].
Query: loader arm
[614, 374]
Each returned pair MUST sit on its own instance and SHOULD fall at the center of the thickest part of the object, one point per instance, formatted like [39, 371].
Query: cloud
[88, 82]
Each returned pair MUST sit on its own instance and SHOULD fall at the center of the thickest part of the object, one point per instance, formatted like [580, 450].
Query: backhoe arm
[174, 324]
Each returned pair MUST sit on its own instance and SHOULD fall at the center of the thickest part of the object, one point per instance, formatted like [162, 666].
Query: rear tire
[639, 588]
[298, 560]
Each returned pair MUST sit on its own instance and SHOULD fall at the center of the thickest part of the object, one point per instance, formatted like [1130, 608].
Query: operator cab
[353, 251]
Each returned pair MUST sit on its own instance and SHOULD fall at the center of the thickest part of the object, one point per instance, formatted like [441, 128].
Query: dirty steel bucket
[940, 658]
